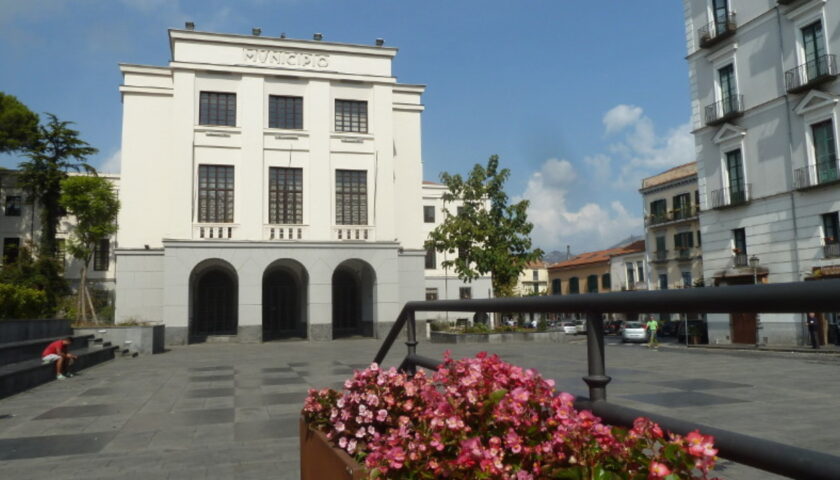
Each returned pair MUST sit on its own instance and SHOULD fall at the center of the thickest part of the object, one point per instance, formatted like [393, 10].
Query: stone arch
[214, 300]
[285, 301]
[353, 299]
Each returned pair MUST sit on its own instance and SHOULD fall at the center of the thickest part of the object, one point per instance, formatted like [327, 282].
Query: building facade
[672, 228]
[20, 226]
[271, 189]
[443, 283]
[765, 113]
[533, 280]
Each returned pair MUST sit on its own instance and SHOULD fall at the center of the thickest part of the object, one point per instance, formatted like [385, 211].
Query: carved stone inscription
[264, 56]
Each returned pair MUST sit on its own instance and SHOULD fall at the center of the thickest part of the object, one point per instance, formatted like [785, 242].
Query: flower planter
[320, 460]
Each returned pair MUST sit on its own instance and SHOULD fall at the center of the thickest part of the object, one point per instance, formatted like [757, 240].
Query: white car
[568, 328]
[580, 326]
[634, 332]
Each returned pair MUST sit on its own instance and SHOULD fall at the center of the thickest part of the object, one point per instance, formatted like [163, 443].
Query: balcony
[724, 110]
[683, 254]
[361, 233]
[660, 256]
[818, 174]
[717, 31]
[831, 249]
[213, 231]
[810, 74]
[729, 197]
[285, 232]
[677, 215]
[657, 218]
[741, 260]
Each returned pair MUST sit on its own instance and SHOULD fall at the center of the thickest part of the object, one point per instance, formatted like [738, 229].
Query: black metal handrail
[831, 249]
[793, 297]
[810, 73]
[717, 30]
[820, 173]
[725, 109]
[730, 197]
[741, 260]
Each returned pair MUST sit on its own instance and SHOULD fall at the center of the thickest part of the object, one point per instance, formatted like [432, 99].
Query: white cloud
[620, 117]
[112, 163]
[558, 172]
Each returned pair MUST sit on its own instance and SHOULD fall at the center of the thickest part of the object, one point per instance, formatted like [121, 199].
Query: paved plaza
[231, 411]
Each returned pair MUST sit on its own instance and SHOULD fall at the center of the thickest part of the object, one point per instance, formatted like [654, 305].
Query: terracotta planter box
[320, 460]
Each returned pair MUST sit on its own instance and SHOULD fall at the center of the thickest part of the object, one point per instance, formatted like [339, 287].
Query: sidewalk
[823, 350]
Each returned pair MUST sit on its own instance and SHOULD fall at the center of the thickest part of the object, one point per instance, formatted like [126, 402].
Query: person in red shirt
[57, 352]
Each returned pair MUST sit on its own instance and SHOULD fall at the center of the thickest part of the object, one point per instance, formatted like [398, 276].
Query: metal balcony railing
[717, 30]
[827, 171]
[831, 249]
[726, 109]
[797, 297]
[730, 197]
[657, 218]
[683, 253]
[660, 256]
[741, 260]
[685, 212]
[811, 73]
[682, 213]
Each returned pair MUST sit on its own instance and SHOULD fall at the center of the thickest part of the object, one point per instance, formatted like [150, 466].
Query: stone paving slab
[231, 411]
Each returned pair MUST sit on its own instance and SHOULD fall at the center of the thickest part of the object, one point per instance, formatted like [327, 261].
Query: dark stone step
[21, 376]
[14, 352]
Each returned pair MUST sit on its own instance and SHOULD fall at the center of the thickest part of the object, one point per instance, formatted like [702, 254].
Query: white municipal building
[270, 188]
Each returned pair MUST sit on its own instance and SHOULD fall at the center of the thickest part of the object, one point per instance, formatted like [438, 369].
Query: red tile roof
[600, 256]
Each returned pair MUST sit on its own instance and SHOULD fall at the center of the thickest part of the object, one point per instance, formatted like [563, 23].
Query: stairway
[21, 367]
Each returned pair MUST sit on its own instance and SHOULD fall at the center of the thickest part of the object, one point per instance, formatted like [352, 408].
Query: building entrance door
[346, 304]
[281, 306]
[215, 304]
[743, 328]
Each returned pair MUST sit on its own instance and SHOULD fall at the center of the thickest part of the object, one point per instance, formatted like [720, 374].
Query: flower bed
[483, 418]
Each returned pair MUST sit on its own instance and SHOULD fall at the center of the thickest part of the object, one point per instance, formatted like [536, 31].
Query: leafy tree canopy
[95, 205]
[489, 235]
[18, 125]
[57, 150]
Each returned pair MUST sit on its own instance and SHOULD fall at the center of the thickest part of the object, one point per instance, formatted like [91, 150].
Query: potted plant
[482, 418]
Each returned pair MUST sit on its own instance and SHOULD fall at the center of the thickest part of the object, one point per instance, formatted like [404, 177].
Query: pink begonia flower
[520, 394]
[351, 446]
[658, 471]
[700, 445]
[381, 415]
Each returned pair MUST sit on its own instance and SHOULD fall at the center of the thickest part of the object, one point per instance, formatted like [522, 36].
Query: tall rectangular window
[728, 90]
[606, 282]
[686, 278]
[535, 275]
[735, 171]
[285, 112]
[831, 228]
[465, 293]
[428, 213]
[102, 255]
[11, 248]
[556, 287]
[574, 285]
[351, 116]
[813, 44]
[682, 206]
[431, 294]
[683, 240]
[215, 194]
[285, 196]
[721, 12]
[739, 239]
[663, 281]
[825, 151]
[13, 205]
[659, 210]
[351, 197]
[217, 108]
[431, 259]
[592, 284]
[640, 270]
[631, 275]
[660, 244]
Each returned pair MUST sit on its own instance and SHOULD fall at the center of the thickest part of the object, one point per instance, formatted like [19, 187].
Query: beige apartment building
[533, 280]
[672, 228]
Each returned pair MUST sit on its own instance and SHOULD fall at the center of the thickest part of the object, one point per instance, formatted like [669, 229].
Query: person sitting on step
[57, 352]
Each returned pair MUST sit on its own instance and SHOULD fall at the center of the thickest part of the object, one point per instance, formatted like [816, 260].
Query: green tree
[18, 125]
[488, 234]
[95, 205]
[57, 150]
[39, 273]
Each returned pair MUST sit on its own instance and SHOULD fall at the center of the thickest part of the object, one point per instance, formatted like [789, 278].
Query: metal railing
[730, 197]
[811, 73]
[681, 213]
[741, 260]
[725, 109]
[683, 253]
[794, 297]
[831, 249]
[717, 30]
[826, 171]
[660, 256]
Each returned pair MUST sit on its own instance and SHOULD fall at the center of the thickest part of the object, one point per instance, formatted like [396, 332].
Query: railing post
[411, 341]
[597, 378]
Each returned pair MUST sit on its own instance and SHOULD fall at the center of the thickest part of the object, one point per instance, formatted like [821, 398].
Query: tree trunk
[90, 303]
[82, 287]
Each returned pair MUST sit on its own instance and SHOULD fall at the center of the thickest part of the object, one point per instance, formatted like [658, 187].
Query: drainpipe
[792, 194]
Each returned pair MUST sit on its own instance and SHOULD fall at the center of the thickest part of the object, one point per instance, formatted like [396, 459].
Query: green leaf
[497, 396]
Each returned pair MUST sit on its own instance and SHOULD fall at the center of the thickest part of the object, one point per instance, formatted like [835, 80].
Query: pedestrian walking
[652, 326]
[813, 328]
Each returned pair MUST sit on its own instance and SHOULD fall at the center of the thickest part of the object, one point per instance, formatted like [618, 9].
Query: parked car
[634, 332]
[569, 328]
[580, 326]
[612, 327]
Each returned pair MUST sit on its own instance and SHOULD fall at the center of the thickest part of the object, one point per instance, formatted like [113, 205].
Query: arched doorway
[353, 299]
[214, 290]
[284, 301]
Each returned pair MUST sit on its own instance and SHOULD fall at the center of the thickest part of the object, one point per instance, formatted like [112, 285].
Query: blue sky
[580, 99]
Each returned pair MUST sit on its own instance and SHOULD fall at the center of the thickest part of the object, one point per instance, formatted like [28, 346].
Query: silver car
[634, 332]
[569, 328]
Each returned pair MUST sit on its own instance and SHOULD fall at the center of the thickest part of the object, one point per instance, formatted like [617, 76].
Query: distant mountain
[555, 256]
[630, 239]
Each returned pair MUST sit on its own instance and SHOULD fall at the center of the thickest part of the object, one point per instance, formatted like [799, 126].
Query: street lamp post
[754, 264]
